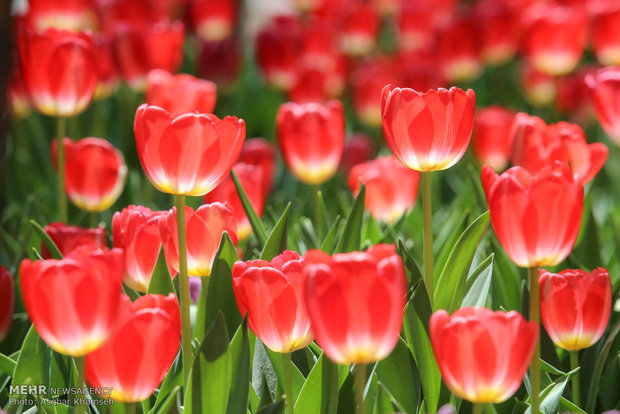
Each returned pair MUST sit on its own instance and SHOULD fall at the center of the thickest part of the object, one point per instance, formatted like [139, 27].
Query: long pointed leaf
[255, 222]
[351, 237]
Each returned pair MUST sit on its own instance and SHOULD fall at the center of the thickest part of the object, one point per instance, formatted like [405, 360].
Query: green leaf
[383, 401]
[209, 383]
[588, 248]
[329, 386]
[7, 365]
[553, 393]
[240, 359]
[255, 222]
[350, 239]
[264, 377]
[478, 284]
[161, 282]
[322, 217]
[599, 365]
[311, 398]
[412, 270]
[168, 404]
[217, 293]
[450, 287]
[327, 244]
[45, 238]
[276, 362]
[398, 374]
[275, 408]
[33, 363]
[276, 242]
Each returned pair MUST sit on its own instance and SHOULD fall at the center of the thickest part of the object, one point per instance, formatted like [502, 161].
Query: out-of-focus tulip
[74, 15]
[7, 301]
[358, 148]
[317, 86]
[355, 302]
[140, 49]
[459, 51]
[536, 145]
[260, 153]
[415, 27]
[59, 70]
[181, 93]
[115, 13]
[387, 7]
[204, 228]
[428, 131]
[312, 139]
[555, 37]
[271, 293]
[573, 98]
[18, 100]
[482, 355]
[367, 83]
[606, 36]
[539, 88]
[73, 303]
[359, 31]
[68, 238]
[419, 71]
[605, 90]
[536, 217]
[575, 306]
[140, 350]
[251, 179]
[498, 33]
[492, 141]
[308, 5]
[95, 172]
[220, 61]
[213, 20]
[189, 154]
[277, 47]
[135, 229]
[107, 71]
[391, 187]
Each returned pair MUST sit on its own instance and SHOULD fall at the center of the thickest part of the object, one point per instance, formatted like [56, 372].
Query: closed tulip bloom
[271, 293]
[68, 238]
[95, 172]
[367, 83]
[73, 303]
[536, 217]
[499, 33]
[277, 47]
[135, 229]
[189, 154]
[59, 70]
[555, 37]
[214, 20]
[459, 51]
[74, 15]
[251, 179]
[312, 138]
[575, 306]
[142, 347]
[482, 355]
[107, 70]
[536, 144]
[605, 92]
[355, 302]
[359, 31]
[204, 229]
[415, 27]
[391, 187]
[606, 36]
[428, 131]
[262, 154]
[7, 301]
[491, 139]
[180, 93]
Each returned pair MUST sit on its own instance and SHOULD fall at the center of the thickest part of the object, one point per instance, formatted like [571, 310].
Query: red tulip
[482, 355]
[260, 153]
[536, 145]
[214, 20]
[391, 187]
[74, 15]
[355, 302]
[107, 71]
[189, 154]
[7, 302]
[135, 229]
[492, 141]
[18, 100]
[575, 306]
[606, 36]
[416, 29]
[314, 85]
[228, 55]
[73, 302]
[536, 217]
[204, 229]
[367, 83]
[419, 71]
[312, 138]
[499, 33]
[271, 293]
[276, 51]
[387, 7]
[459, 51]
[605, 90]
[539, 88]
[142, 347]
[181, 93]
[555, 37]
[59, 70]
[358, 148]
[251, 178]
[428, 131]
[95, 172]
[68, 238]
[573, 97]
[140, 49]
[359, 31]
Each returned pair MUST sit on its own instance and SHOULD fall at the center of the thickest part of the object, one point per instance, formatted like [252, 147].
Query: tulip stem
[79, 381]
[360, 383]
[574, 364]
[130, 408]
[535, 317]
[287, 365]
[477, 408]
[61, 126]
[186, 327]
[427, 213]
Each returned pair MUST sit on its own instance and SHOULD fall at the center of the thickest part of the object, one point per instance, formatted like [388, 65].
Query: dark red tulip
[220, 61]
[180, 93]
[358, 148]
[68, 238]
[7, 301]
[261, 153]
